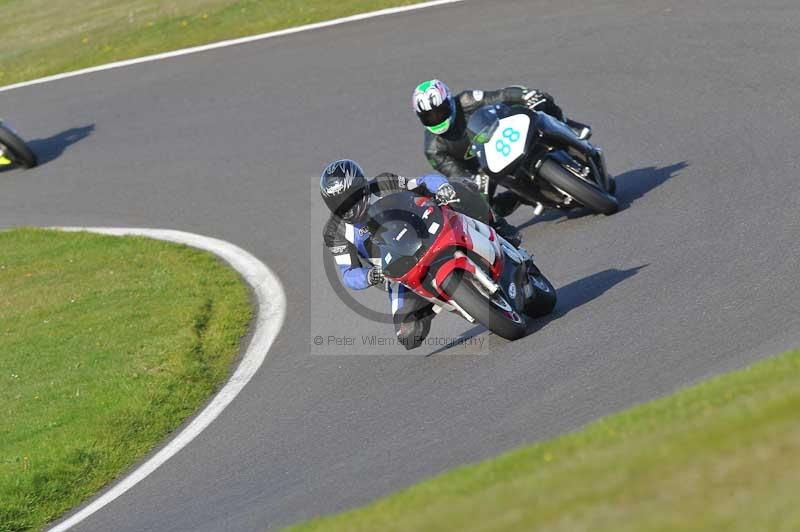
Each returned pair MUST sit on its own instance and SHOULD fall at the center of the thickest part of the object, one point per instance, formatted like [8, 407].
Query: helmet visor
[437, 115]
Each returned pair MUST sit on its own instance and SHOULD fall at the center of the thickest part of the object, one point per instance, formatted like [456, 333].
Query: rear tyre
[492, 311]
[16, 149]
[585, 193]
[544, 295]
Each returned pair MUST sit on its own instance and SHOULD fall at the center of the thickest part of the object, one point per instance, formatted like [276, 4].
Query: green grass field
[722, 455]
[43, 37]
[106, 345]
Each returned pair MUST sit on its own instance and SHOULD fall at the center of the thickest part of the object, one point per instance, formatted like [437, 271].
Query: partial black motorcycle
[13, 149]
[541, 159]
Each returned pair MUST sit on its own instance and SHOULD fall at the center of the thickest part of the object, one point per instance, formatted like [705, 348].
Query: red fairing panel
[457, 231]
[458, 263]
[451, 234]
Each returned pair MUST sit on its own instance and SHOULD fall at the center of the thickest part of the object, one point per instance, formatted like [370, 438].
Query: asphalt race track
[696, 105]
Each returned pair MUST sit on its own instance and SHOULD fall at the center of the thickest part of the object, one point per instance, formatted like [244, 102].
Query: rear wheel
[587, 194]
[492, 311]
[16, 149]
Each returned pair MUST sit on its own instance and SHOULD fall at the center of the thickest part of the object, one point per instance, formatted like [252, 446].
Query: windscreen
[482, 124]
[403, 226]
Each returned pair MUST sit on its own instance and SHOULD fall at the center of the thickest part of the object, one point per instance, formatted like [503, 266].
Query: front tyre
[585, 193]
[492, 311]
[16, 149]
[544, 296]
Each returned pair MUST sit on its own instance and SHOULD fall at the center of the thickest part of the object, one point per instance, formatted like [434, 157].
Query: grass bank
[106, 345]
[43, 37]
[721, 455]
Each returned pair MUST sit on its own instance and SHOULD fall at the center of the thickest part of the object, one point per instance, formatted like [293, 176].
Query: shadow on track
[477, 330]
[570, 296]
[631, 186]
[582, 291]
[51, 148]
[636, 183]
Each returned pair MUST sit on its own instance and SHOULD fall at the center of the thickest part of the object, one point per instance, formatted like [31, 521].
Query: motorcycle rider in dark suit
[447, 146]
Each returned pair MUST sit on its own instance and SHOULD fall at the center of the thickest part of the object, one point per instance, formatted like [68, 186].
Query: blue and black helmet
[344, 189]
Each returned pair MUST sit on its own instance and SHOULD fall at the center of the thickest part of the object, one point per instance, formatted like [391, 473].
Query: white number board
[508, 142]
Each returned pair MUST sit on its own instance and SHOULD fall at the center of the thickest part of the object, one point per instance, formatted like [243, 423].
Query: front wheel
[585, 193]
[492, 311]
[543, 300]
[16, 149]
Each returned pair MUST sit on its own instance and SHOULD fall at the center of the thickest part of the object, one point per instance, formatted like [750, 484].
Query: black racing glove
[446, 194]
[482, 182]
[534, 98]
[375, 276]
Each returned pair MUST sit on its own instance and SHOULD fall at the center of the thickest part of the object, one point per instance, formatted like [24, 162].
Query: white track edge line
[270, 315]
[230, 42]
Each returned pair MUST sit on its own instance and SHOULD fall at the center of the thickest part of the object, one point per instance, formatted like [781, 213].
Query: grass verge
[721, 455]
[43, 37]
[106, 345]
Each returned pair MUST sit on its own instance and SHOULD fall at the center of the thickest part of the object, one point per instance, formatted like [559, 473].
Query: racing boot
[505, 203]
[590, 152]
[413, 328]
[507, 231]
[582, 131]
[606, 180]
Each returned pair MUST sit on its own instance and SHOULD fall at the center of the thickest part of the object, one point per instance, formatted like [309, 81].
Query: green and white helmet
[434, 105]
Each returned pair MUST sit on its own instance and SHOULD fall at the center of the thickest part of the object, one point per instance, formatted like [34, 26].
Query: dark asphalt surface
[696, 105]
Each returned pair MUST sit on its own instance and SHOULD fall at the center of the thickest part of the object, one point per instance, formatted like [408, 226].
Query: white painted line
[231, 42]
[271, 313]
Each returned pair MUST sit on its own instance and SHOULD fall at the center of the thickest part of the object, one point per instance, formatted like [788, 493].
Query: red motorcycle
[458, 263]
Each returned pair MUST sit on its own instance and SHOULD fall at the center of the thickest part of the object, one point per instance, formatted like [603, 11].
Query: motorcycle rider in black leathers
[447, 146]
[348, 194]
